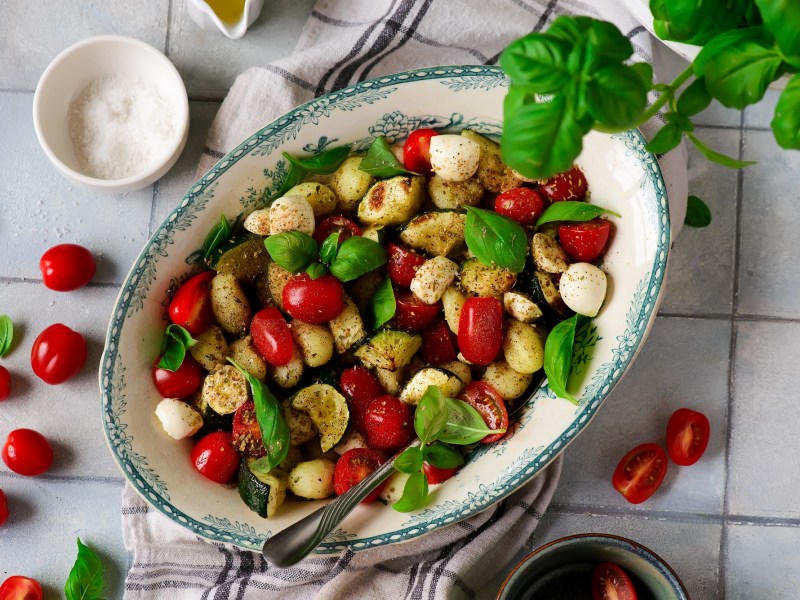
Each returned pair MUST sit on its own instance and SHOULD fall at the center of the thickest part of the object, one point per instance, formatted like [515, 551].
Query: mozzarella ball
[291, 213]
[178, 419]
[258, 222]
[583, 288]
[454, 157]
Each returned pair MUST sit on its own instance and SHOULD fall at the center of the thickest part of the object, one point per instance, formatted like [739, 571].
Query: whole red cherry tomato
[215, 457]
[58, 354]
[487, 401]
[389, 423]
[436, 475]
[353, 466]
[610, 582]
[523, 205]
[480, 330]
[18, 587]
[585, 242]
[271, 336]
[687, 436]
[569, 185]
[417, 151]
[67, 267]
[182, 382]
[437, 344]
[332, 224]
[640, 472]
[27, 452]
[191, 306]
[3, 507]
[412, 313]
[5, 383]
[360, 387]
[313, 300]
[402, 264]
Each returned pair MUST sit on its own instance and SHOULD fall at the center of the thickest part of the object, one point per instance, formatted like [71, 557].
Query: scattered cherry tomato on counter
[389, 423]
[246, 434]
[182, 382]
[523, 205]
[436, 475]
[271, 336]
[480, 330]
[402, 264]
[215, 457]
[490, 404]
[412, 313]
[437, 344]
[585, 242]
[332, 224]
[687, 436]
[58, 354]
[360, 387]
[313, 300]
[417, 151]
[569, 185]
[27, 452]
[18, 587]
[640, 472]
[3, 507]
[191, 306]
[610, 582]
[5, 383]
[353, 466]
[67, 267]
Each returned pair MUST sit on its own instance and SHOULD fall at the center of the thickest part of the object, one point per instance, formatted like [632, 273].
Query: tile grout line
[35, 281]
[67, 478]
[739, 127]
[169, 26]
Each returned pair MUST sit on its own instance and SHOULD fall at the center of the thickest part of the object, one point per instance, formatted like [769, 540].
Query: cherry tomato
[18, 587]
[486, 400]
[569, 185]
[191, 306]
[182, 382]
[58, 354]
[389, 423]
[610, 582]
[313, 300]
[585, 242]
[687, 436]
[329, 225]
[402, 264]
[3, 507]
[5, 383]
[27, 452]
[246, 435]
[436, 475]
[360, 387]
[640, 472]
[271, 336]
[417, 151]
[437, 344]
[480, 330]
[523, 205]
[215, 457]
[412, 313]
[67, 267]
[353, 466]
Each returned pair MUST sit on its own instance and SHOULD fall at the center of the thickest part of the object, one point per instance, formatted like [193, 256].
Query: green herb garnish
[558, 355]
[85, 581]
[381, 162]
[323, 163]
[496, 240]
[6, 334]
[572, 211]
[217, 236]
[356, 256]
[174, 346]
[382, 304]
[292, 250]
[697, 213]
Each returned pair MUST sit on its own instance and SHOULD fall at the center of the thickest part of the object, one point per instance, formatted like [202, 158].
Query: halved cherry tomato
[182, 382]
[569, 185]
[58, 354]
[437, 344]
[412, 313]
[610, 582]
[585, 242]
[191, 306]
[436, 475]
[313, 300]
[246, 434]
[417, 151]
[353, 466]
[215, 457]
[687, 436]
[332, 224]
[5, 383]
[18, 587]
[360, 387]
[271, 336]
[487, 401]
[389, 423]
[67, 267]
[480, 330]
[3, 507]
[523, 205]
[403, 264]
[27, 452]
[640, 472]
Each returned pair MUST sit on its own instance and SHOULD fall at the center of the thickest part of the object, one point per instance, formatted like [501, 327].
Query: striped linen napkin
[345, 41]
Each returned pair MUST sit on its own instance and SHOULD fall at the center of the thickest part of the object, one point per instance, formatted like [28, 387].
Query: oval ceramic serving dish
[622, 176]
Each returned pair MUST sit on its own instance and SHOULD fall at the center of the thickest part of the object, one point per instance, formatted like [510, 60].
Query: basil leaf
[442, 456]
[173, 347]
[573, 210]
[431, 415]
[294, 175]
[667, 138]
[465, 425]
[537, 61]
[717, 157]
[496, 240]
[218, 234]
[697, 213]
[645, 72]
[695, 22]
[316, 270]
[608, 41]
[414, 493]
[786, 123]
[357, 255]
[323, 163]
[274, 430]
[381, 162]
[6, 334]
[782, 18]
[558, 356]
[695, 98]
[410, 461]
[382, 304]
[617, 96]
[682, 121]
[85, 581]
[329, 248]
[292, 250]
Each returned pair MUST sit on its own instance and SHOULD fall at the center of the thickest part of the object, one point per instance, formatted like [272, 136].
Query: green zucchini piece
[246, 261]
[483, 280]
[263, 493]
[545, 293]
[438, 233]
[389, 349]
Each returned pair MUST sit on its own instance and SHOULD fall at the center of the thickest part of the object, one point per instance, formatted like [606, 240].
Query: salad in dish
[413, 291]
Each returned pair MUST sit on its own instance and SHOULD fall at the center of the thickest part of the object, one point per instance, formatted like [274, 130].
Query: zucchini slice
[482, 280]
[263, 493]
[389, 349]
[246, 261]
[438, 232]
[548, 255]
[449, 383]
[545, 293]
[327, 409]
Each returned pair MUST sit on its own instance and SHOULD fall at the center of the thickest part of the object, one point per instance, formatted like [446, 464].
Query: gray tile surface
[762, 562]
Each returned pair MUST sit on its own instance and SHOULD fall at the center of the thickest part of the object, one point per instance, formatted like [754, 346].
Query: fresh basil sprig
[6, 334]
[329, 248]
[442, 455]
[495, 239]
[357, 255]
[415, 492]
[572, 211]
[174, 346]
[382, 304]
[558, 355]
[381, 162]
[218, 235]
[292, 250]
[316, 270]
[697, 213]
[85, 581]
[465, 425]
[323, 163]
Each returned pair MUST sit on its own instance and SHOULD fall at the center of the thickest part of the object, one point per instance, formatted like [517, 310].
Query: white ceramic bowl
[69, 73]
[622, 176]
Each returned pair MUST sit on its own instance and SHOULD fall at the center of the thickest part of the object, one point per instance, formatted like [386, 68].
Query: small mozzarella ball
[258, 222]
[291, 213]
[583, 288]
[178, 419]
[454, 157]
